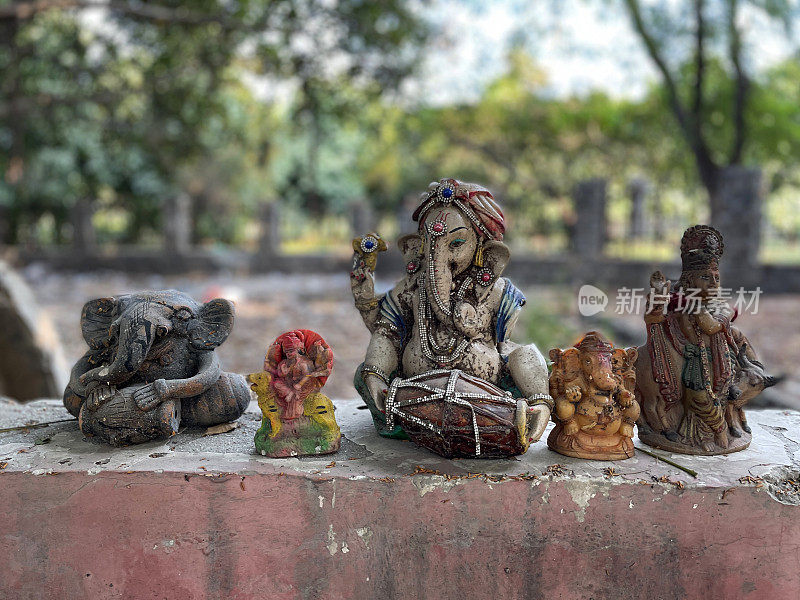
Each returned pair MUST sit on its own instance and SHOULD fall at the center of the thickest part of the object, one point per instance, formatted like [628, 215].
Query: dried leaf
[223, 428]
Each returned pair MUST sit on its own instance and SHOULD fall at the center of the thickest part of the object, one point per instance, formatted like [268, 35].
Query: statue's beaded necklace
[450, 351]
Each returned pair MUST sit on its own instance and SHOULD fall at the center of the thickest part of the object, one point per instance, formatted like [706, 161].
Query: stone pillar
[588, 236]
[637, 190]
[5, 226]
[269, 242]
[177, 224]
[405, 209]
[736, 212]
[362, 218]
[83, 237]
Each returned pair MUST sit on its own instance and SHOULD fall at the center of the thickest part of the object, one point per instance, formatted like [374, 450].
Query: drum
[458, 415]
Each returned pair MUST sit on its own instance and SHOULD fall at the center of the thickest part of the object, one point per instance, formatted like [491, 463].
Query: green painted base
[301, 437]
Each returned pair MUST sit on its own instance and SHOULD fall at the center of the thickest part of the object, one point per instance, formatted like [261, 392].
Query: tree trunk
[736, 212]
[589, 234]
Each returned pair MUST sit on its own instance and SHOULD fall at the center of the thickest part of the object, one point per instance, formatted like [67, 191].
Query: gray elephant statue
[440, 366]
[151, 367]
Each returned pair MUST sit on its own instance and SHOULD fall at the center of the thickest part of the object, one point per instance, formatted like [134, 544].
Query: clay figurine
[440, 368]
[697, 370]
[297, 420]
[151, 367]
[595, 409]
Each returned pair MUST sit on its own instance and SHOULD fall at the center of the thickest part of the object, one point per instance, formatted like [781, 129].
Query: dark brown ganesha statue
[592, 384]
[697, 371]
[151, 367]
[440, 368]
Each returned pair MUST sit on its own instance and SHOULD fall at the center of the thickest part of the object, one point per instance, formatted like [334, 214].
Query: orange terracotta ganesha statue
[593, 387]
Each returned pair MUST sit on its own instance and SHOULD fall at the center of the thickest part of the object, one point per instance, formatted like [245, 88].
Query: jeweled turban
[475, 201]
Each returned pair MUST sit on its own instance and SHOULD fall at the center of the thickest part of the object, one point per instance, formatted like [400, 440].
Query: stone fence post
[405, 209]
[637, 190]
[736, 212]
[362, 218]
[588, 235]
[5, 226]
[177, 225]
[83, 235]
[269, 241]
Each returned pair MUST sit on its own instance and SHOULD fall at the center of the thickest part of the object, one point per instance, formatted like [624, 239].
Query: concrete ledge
[202, 517]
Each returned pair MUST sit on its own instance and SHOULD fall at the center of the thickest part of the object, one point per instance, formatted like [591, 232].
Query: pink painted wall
[170, 535]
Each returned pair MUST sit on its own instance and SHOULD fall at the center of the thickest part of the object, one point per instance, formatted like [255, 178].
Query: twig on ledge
[691, 472]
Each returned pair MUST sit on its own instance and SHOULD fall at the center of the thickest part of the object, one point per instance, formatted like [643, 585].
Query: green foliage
[251, 101]
[152, 102]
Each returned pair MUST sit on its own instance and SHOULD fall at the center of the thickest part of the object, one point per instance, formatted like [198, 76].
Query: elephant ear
[571, 360]
[410, 245]
[496, 256]
[619, 360]
[213, 324]
[633, 354]
[96, 318]
[557, 373]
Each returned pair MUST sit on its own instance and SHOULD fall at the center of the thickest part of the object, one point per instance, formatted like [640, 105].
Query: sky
[581, 45]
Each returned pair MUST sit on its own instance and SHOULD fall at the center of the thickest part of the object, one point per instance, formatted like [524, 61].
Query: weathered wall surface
[198, 518]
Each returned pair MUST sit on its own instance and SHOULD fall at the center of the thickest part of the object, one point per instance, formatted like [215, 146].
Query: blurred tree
[529, 147]
[151, 93]
[710, 92]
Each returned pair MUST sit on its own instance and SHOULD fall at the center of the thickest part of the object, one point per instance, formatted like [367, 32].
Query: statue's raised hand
[151, 395]
[362, 273]
[659, 283]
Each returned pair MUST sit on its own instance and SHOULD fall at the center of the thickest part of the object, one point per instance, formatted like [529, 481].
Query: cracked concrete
[206, 517]
[59, 448]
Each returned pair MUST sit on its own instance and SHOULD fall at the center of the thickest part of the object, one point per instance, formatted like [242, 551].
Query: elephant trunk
[439, 289]
[136, 335]
[605, 380]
